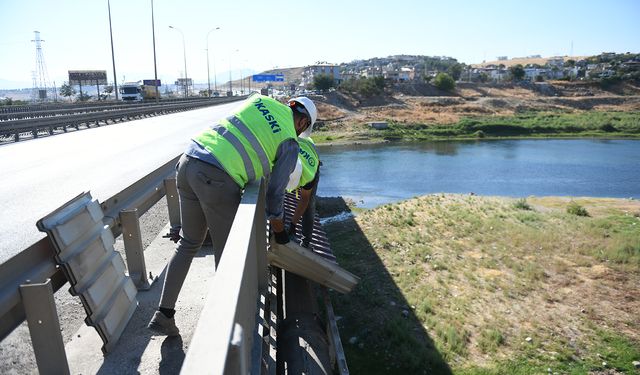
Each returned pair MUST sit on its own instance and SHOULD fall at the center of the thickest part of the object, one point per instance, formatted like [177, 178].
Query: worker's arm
[305, 197]
[286, 158]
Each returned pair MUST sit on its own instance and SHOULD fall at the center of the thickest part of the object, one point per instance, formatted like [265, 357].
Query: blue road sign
[151, 82]
[268, 78]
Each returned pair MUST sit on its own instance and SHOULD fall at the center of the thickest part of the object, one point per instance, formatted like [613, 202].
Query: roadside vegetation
[483, 285]
[609, 124]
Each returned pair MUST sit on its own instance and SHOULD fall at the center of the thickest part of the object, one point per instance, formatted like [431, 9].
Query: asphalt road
[40, 175]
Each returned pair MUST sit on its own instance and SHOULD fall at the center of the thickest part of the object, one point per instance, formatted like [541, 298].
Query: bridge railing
[36, 264]
[229, 338]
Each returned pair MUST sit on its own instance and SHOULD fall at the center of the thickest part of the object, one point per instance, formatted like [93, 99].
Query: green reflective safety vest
[308, 155]
[246, 142]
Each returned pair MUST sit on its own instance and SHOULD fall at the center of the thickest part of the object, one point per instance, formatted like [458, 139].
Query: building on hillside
[503, 58]
[555, 61]
[403, 74]
[372, 71]
[349, 75]
[311, 71]
[531, 73]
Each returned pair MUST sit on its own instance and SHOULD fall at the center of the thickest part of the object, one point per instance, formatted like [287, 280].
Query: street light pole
[184, 51]
[113, 58]
[214, 65]
[155, 67]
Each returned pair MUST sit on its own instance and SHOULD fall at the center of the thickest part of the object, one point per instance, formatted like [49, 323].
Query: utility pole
[184, 51]
[155, 67]
[214, 65]
[113, 58]
[41, 77]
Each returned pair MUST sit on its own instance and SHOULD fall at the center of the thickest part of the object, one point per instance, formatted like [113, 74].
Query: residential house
[311, 71]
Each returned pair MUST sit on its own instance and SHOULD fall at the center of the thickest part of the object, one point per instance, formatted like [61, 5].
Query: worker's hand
[173, 235]
[281, 237]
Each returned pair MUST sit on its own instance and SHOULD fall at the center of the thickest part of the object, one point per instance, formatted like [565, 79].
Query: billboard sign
[268, 78]
[184, 82]
[87, 77]
[151, 82]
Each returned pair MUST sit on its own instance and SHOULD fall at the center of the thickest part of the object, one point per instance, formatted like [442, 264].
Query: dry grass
[481, 275]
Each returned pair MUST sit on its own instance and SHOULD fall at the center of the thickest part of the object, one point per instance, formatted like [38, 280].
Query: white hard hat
[311, 110]
[294, 177]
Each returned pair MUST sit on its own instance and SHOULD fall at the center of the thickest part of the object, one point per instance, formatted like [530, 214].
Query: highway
[40, 175]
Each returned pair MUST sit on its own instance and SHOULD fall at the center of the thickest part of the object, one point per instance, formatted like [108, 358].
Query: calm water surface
[377, 174]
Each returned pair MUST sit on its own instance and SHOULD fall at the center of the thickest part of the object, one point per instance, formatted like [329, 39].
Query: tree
[443, 81]
[517, 72]
[366, 87]
[455, 71]
[108, 89]
[83, 97]
[322, 82]
[67, 90]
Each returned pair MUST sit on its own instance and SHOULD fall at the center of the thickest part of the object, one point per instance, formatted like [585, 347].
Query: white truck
[137, 91]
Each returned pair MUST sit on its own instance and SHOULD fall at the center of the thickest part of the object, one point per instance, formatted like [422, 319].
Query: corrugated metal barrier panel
[84, 250]
[319, 242]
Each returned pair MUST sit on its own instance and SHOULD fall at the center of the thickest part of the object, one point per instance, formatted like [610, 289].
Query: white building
[311, 71]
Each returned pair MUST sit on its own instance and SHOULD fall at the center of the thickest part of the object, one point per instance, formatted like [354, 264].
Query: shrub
[522, 204]
[443, 81]
[575, 209]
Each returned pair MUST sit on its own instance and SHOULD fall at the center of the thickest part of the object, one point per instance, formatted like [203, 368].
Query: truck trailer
[137, 91]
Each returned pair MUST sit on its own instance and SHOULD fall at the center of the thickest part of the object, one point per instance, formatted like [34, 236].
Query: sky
[255, 36]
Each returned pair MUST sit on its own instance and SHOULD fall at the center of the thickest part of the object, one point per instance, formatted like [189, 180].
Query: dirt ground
[423, 104]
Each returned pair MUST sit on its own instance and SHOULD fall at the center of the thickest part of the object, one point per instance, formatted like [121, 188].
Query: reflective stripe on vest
[264, 161]
[246, 160]
[246, 144]
[308, 155]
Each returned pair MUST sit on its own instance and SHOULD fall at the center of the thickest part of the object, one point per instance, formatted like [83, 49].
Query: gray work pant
[209, 199]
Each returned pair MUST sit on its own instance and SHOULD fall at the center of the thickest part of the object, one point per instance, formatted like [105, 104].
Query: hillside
[420, 111]
[526, 60]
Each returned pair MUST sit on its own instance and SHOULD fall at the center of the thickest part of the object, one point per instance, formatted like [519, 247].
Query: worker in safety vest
[305, 178]
[259, 139]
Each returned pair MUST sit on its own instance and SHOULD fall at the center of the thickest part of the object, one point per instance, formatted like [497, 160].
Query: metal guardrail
[100, 103]
[235, 333]
[49, 124]
[34, 112]
[36, 264]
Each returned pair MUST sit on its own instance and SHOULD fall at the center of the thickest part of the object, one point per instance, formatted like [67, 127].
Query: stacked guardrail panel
[96, 272]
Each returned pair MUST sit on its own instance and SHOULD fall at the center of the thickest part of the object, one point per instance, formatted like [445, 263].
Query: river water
[376, 174]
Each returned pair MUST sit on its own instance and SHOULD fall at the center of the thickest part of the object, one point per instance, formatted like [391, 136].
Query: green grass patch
[456, 284]
[605, 124]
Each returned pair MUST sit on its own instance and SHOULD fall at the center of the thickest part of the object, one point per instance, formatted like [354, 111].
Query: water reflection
[376, 174]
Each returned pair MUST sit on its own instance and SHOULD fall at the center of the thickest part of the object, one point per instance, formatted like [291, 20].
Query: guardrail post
[173, 203]
[133, 248]
[44, 327]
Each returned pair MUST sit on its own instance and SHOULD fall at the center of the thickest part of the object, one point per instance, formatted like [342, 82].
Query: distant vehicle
[136, 91]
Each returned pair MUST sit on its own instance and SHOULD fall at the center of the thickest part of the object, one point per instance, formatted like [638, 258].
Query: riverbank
[416, 112]
[470, 284]
[610, 124]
